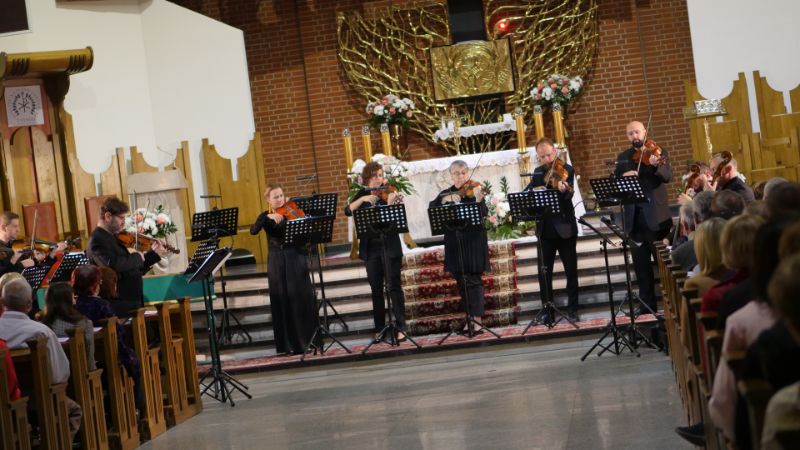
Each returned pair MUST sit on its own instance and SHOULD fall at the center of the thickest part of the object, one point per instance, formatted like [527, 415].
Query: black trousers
[473, 290]
[569, 259]
[643, 258]
[375, 271]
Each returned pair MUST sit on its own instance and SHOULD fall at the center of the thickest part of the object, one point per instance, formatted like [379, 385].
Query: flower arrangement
[556, 89]
[157, 223]
[390, 109]
[393, 169]
[498, 222]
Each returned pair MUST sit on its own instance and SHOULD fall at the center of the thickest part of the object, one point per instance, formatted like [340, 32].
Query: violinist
[105, 249]
[291, 295]
[696, 180]
[560, 233]
[728, 178]
[377, 192]
[474, 244]
[648, 221]
[11, 260]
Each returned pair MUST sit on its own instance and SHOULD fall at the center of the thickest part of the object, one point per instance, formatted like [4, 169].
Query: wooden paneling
[47, 182]
[726, 134]
[82, 183]
[138, 163]
[244, 193]
[21, 174]
[111, 179]
[770, 103]
[794, 96]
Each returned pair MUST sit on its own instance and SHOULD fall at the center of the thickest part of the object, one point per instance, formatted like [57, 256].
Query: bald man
[648, 221]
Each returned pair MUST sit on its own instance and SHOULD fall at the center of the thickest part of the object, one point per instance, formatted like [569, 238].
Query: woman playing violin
[377, 192]
[560, 232]
[474, 244]
[291, 295]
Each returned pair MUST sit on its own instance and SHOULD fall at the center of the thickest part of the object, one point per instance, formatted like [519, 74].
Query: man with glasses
[105, 250]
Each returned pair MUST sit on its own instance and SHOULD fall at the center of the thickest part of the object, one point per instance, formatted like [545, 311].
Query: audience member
[701, 210]
[11, 375]
[771, 184]
[61, 315]
[16, 328]
[726, 204]
[709, 257]
[757, 208]
[784, 200]
[730, 179]
[758, 190]
[738, 253]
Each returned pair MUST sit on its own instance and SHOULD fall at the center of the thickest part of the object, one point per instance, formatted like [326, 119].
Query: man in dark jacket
[729, 179]
[104, 249]
[647, 221]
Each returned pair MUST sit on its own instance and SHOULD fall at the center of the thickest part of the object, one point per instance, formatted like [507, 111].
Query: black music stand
[210, 226]
[220, 380]
[379, 222]
[459, 217]
[35, 276]
[535, 205]
[68, 263]
[301, 232]
[321, 205]
[619, 341]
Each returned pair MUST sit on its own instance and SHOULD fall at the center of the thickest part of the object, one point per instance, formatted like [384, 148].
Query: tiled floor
[521, 396]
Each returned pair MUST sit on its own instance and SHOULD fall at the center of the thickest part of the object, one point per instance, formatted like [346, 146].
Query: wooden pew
[181, 316]
[151, 420]
[124, 434]
[176, 395]
[87, 387]
[33, 372]
[14, 428]
[756, 394]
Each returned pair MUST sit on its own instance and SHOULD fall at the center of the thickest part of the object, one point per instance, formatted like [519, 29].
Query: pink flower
[409, 114]
[493, 219]
[360, 180]
[549, 81]
[553, 86]
[564, 90]
[392, 110]
[384, 102]
[538, 96]
[495, 201]
[540, 86]
[138, 217]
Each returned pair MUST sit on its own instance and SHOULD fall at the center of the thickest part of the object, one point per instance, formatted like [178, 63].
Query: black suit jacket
[368, 246]
[6, 265]
[654, 181]
[564, 222]
[736, 184]
[104, 249]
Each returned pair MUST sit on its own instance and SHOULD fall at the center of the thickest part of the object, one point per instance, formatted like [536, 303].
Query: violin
[142, 243]
[468, 189]
[726, 158]
[383, 192]
[650, 148]
[290, 211]
[557, 173]
[694, 171]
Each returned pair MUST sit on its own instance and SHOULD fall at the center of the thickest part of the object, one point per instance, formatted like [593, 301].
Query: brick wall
[301, 122]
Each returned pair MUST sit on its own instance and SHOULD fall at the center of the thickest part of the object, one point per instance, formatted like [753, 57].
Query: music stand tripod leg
[391, 327]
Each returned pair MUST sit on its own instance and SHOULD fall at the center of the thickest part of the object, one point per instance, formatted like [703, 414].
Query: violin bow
[646, 130]
[33, 231]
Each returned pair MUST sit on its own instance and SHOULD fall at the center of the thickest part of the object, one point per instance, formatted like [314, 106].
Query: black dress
[475, 253]
[291, 296]
[369, 251]
[560, 233]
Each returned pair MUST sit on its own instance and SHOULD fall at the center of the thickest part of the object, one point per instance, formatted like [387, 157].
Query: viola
[557, 173]
[726, 158]
[650, 148]
[468, 189]
[141, 242]
[290, 211]
[694, 174]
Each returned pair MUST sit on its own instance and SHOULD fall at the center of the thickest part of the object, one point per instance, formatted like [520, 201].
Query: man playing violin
[11, 260]
[291, 295]
[474, 243]
[728, 178]
[104, 249]
[369, 250]
[560, 232]
[648, 221]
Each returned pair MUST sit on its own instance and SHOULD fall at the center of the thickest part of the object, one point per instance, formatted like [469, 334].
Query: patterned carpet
[508, 334]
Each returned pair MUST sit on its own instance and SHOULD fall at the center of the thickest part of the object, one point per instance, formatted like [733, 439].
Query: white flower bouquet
[390, 109]
[157, 223]
[556, 89]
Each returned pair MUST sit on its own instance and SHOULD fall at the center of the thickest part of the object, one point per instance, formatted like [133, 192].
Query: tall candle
[367, 143]
[519, 119]
[538, 121]
[386, 140]
[558, 124]
[348, 149]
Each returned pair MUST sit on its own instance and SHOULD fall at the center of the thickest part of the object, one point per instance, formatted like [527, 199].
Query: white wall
[732, 36]
[161, 74]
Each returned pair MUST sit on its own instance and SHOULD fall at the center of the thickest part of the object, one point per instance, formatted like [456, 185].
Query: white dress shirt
[16, 328]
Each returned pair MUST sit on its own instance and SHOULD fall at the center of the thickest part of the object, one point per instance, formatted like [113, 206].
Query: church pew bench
[14, 427]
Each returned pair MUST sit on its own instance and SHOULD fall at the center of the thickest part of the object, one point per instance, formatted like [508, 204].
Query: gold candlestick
[386, 140]
[348, 149]
[558, 124]
[519, 119]
[538, 121]
[365, 137]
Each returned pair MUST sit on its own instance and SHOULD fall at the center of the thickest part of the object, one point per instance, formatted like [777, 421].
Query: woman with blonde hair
[709, 256]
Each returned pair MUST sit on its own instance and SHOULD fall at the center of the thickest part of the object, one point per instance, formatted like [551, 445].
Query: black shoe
[694, 434]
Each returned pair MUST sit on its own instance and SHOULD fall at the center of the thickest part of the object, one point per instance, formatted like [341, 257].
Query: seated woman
[86, 283]
[709, 257]
[108, 291]
[60, 315]
[11, 374]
